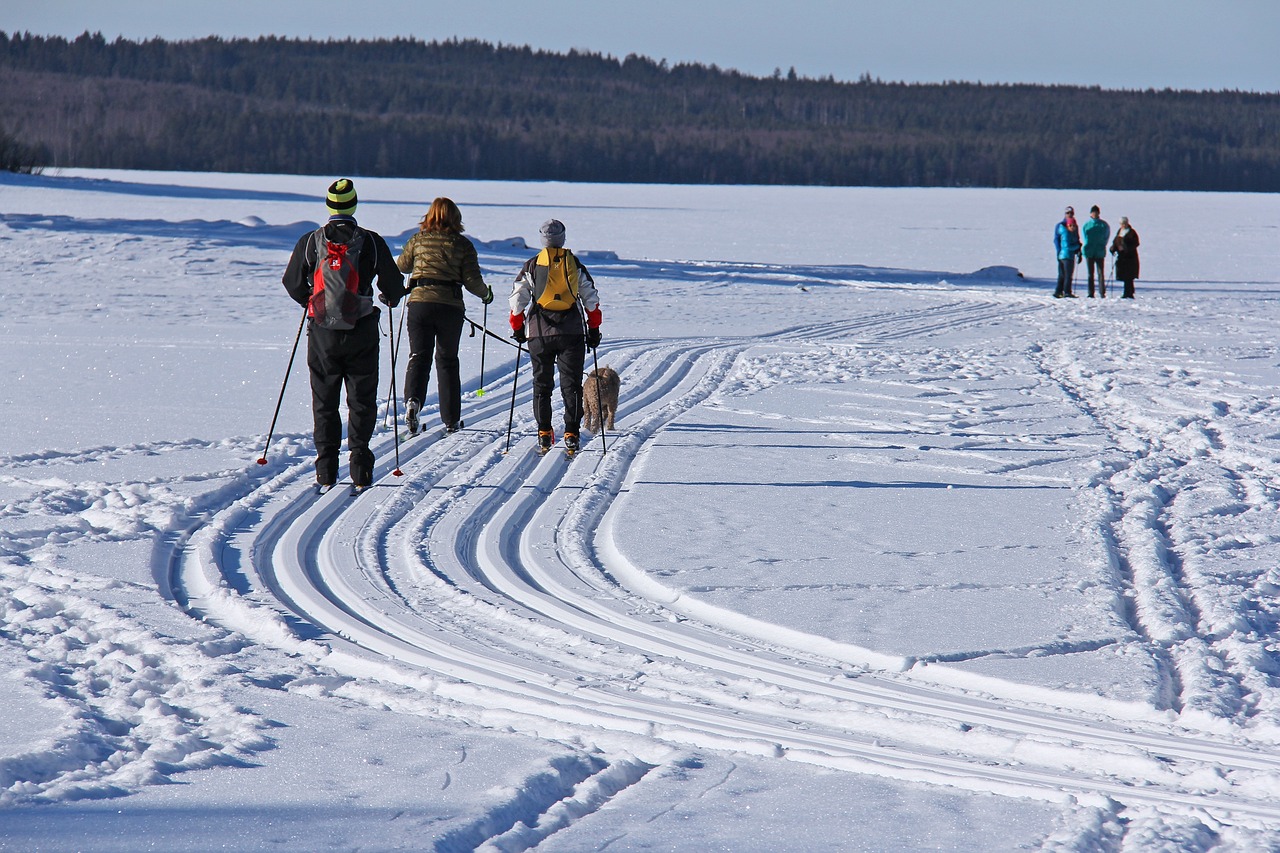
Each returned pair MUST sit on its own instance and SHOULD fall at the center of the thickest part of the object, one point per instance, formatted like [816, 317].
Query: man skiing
[331, 272]
[1066, 242]
[555, 308]
[1096, 235]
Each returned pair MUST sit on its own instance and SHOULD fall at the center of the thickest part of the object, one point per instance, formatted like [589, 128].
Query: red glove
[594, 317]
[517, 322]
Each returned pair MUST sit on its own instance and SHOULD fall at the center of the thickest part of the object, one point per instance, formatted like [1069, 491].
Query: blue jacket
[1066, 241]
[1096, 234]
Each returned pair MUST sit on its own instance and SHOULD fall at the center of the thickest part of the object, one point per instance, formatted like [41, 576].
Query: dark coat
[1125, 247]
[376, 262]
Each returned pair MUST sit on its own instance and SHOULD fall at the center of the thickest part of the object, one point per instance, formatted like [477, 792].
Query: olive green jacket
[440, 264]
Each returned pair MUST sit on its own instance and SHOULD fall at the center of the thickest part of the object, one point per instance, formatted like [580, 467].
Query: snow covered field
[890, 550]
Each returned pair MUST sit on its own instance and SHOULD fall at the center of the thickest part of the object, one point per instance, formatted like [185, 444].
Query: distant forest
[469, 109]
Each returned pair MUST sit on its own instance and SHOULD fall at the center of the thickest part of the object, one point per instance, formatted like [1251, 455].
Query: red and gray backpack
[336, 302]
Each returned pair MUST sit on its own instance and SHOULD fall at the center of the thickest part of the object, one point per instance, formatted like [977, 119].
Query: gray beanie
[552, 232]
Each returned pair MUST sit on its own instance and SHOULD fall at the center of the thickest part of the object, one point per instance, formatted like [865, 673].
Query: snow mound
[993, 275]
[499, 245]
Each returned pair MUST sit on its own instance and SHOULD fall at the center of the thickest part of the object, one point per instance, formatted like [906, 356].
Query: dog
[600, 398]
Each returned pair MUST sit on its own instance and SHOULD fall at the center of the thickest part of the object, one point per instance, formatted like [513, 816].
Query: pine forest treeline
[468, 109]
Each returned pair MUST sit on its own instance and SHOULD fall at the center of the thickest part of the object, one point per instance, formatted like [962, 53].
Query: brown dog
[600, 398]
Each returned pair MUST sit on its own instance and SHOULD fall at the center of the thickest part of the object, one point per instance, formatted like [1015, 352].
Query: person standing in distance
[1066, 242]
[1125, 248]
[1096, 234]
[331, 272]
[555, 308]
[441, 262]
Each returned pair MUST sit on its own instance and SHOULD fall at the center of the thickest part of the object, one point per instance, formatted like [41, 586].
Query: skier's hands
[593, 338]
[390, 303]
[517, 328]
[488, 296]
[519, 335]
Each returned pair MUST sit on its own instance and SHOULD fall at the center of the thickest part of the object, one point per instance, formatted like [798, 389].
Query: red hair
[443, 216]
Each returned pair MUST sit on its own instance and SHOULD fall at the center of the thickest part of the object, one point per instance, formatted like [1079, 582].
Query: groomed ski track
[492, 579]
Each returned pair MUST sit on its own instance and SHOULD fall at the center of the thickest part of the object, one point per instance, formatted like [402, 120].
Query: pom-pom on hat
[341, 199]
[552, 232]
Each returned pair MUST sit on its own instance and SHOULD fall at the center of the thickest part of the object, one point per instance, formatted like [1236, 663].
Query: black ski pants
[339, 359]
[568, 353]
[434, 325]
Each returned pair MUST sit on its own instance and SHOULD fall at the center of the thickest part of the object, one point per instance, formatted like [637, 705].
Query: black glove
[488, 297]
[390, 303]
[593, 338]
[520, 336]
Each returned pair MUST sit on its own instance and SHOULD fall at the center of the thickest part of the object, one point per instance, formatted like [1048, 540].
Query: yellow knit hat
[342, 197]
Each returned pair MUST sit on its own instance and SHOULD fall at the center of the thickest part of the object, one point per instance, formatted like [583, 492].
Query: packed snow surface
[890, 550]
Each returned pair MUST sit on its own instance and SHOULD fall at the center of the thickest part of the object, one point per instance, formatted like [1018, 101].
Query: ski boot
[546, 438]
[411, 408]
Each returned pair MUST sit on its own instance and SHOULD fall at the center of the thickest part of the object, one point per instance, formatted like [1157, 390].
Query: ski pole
[515, 381]
[595, 364]
[484, 339]
[476, 327]
[395, 344]
[262, 460]
[395, 401]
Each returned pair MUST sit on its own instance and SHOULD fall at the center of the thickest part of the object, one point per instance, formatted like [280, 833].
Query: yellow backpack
[560, 292]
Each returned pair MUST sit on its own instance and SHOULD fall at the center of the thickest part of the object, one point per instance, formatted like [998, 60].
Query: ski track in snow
[491, 586]
[489, 583]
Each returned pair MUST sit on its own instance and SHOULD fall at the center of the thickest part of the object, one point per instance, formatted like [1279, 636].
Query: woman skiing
[441, 262]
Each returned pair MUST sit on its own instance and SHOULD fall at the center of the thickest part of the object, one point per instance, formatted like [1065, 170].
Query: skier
[441, 262]
[559, 296]
[1066, 242]
[1096, 233]
[1125, 248]
[331, 272]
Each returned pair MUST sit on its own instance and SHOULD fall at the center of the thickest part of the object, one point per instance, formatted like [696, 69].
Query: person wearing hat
[1095, 235]
[556, 309]
[1066, 242]
[440, 262]
[331, 272]
[1125, 248]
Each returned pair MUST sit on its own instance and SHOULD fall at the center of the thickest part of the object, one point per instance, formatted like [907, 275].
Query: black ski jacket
[376, 261]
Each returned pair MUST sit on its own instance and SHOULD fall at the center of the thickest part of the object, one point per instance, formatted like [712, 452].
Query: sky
[1139, 44]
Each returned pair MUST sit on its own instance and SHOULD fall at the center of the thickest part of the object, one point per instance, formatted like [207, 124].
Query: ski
[353, 491]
